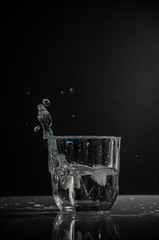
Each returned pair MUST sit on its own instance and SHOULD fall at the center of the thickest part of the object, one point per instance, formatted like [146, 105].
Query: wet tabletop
[132, 217]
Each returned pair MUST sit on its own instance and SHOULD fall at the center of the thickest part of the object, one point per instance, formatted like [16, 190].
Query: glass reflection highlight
[84, 226]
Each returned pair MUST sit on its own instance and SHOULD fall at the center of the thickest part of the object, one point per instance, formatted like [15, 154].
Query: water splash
[37, 128]
[45, 119]
[72, 90]
[46, 102]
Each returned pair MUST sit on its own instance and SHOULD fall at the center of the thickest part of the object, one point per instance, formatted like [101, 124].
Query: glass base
[87, 205]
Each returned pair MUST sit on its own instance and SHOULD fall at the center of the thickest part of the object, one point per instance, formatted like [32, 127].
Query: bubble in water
[62, 92]
[46, 102]
[37, 128]
[72, 90]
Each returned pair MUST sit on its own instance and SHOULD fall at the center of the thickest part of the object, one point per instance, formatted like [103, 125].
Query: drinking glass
[84, 171]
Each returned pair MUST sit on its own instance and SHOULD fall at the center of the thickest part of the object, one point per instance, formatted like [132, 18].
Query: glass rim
[87, 137]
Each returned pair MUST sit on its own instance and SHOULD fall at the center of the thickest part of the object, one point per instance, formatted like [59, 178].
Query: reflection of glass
[84, 226]
[84, 171]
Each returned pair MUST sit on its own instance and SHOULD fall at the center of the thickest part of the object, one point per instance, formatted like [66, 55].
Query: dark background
[110, 56]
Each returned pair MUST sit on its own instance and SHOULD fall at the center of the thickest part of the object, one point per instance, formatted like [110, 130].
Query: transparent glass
[84, 171]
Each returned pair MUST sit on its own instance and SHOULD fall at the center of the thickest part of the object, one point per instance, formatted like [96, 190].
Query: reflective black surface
[132, 217]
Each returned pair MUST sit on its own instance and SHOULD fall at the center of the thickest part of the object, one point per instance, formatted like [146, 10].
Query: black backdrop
[110, 56]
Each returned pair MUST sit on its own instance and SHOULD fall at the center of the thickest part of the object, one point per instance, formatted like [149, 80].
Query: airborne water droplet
[73, 115]
[72, 90]
[37, 128]
[46, 102]
[62, 92]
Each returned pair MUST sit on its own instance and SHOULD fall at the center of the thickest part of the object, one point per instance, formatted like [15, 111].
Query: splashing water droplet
[37, 128]
[62, 92]
[46, 102]
[45, 119]
[72, 90]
